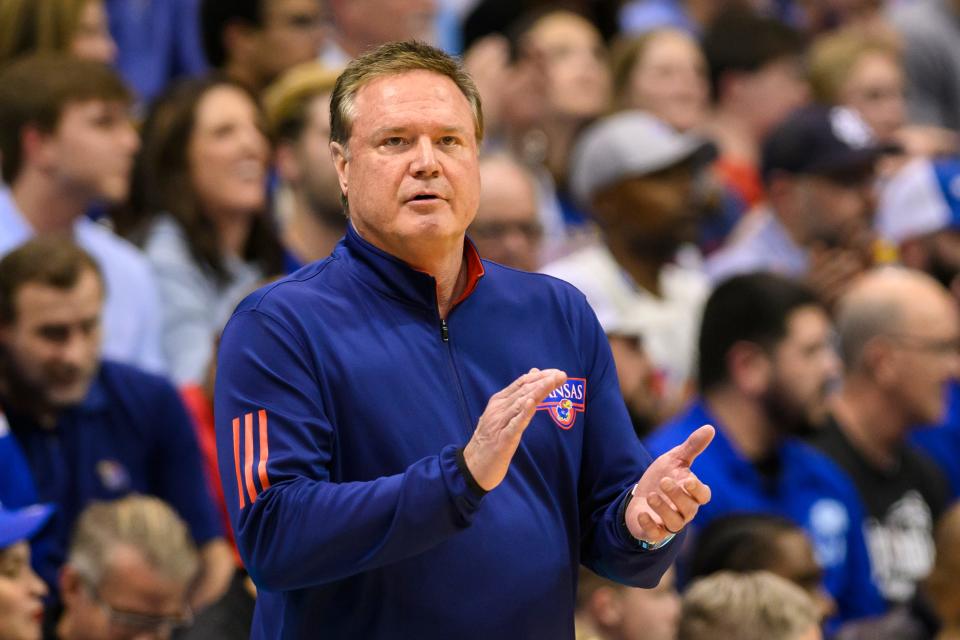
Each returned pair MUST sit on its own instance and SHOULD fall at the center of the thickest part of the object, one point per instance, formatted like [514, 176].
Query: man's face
[507, 227]
[90, 154]
[292, 32]
[654, 213]
[795, 561]
[52, 347]
[773, 92]
[836, 213]
[317, 175]
[410, 168]
[134, 601]
[804, 365]
[652, 614]
[370, 23]
[924, 356]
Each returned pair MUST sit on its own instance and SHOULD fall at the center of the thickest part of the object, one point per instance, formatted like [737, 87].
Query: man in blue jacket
[370, 407]
[764, 369]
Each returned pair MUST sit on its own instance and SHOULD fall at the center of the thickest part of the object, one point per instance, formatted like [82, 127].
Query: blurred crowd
[760, 199]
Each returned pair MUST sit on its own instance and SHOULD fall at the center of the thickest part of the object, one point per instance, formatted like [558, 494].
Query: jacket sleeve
[613, 461]
[276, 444]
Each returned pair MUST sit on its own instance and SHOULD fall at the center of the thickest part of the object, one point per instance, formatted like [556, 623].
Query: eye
[393, 141]
[449, 141]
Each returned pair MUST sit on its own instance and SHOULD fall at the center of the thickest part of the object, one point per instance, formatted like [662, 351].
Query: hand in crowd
[669, 494]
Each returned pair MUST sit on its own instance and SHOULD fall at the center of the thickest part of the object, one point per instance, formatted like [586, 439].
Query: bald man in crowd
[507, 229]
[899, 332]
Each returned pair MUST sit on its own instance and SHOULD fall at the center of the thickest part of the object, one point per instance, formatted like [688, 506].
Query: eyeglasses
[134, 622]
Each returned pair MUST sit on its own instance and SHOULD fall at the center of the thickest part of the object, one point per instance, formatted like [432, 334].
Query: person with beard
[638, 177]
[297, 108]
[90, 428]
[765, 366]
[819, 171]
[899, 335]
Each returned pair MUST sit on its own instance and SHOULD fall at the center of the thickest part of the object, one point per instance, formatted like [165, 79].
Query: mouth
[426, 196]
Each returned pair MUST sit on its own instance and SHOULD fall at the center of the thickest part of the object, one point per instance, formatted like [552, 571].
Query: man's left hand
[669, 495]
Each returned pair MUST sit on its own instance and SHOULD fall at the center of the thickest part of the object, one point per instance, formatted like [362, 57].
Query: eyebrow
[402, 129]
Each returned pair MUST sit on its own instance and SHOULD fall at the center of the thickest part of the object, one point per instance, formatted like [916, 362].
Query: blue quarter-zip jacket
[342, 401]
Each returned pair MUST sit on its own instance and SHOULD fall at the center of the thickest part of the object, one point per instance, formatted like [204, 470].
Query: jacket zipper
[464, 411]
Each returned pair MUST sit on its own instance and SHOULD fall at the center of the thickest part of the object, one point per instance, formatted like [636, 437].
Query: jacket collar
[396, 279]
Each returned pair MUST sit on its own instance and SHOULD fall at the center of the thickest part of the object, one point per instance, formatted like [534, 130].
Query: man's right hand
[490, 450]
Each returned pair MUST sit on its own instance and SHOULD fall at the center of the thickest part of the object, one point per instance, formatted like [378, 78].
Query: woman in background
[21, 590]
[78, 27]
[200, 194]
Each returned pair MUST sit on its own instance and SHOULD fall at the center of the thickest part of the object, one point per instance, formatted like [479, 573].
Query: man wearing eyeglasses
[899, 335]
[128, 574]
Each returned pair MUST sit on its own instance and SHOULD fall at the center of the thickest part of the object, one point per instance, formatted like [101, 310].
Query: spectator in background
[751, 606]
[254, 41]
[931, 35]
[756, 79]
[664, 73]
[67, 143]
[202, 191]
[899, 337]
[77, 27]
[749, 542]
[90, 428]
[765, 365]
[21, 590]
[866, 74]
[129, 572]
[819, 167]
[637, 177]
[506, 228]
[307, 197]
[158, 41]
[607, 610]
[360, 25]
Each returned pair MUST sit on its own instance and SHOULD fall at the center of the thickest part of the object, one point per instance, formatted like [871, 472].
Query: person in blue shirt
[87, 428]
[415, 442]
[765, 363]
[21, 590]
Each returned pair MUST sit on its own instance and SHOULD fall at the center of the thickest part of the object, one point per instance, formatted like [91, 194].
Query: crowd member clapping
[76, 27]
[202, 191]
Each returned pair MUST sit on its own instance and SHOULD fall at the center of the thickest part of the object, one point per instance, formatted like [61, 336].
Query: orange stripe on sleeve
[264, 451]
[236, 459]
[248, 456]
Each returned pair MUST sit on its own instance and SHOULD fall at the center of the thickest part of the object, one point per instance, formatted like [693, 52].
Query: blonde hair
[392, 59]
[745, 606]
[144, 523]
[287, 101]
[833, 57]
[29, 26]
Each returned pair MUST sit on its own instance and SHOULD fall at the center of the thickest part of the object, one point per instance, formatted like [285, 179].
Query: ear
[70, 585]
[341, 163]
[749, 368]
[879, 362]
[285, 158]
[36, 147]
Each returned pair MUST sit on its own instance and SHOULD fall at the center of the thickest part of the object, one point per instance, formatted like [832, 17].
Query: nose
[424, 164]
[37, 586]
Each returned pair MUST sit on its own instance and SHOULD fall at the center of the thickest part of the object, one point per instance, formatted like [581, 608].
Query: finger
[684, 503]
[694, 445]
[696, 489]
[519, 422]
[541, 388]
[672, 519]
[652, 530]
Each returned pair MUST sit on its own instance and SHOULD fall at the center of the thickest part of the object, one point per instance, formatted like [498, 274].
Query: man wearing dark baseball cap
[818, 168]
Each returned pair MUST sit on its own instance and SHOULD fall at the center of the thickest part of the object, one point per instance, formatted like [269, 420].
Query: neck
[26, 400]
[244, 74]
[644, 267]
[744, 421]
[353, 47]
[46, 208]
[308, 234]
[874, 427]
[451, 277]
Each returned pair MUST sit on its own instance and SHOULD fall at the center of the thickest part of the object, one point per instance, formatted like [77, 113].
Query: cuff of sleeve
[475, 488]
[625, 530]
[465, 499]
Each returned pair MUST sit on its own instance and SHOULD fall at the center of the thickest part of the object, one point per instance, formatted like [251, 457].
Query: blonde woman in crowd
[77, 27]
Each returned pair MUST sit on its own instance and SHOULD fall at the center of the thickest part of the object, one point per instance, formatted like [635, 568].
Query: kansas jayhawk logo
[565, 401]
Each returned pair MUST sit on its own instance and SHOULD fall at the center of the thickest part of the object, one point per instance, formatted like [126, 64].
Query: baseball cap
[629, 144]
[921, 198]
[818, 140]
[22, 524]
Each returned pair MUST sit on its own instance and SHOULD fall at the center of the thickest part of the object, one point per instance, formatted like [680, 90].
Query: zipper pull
[444, 331]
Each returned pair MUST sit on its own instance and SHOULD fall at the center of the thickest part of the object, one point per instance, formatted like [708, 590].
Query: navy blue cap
[827, 141]
[22, 524]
